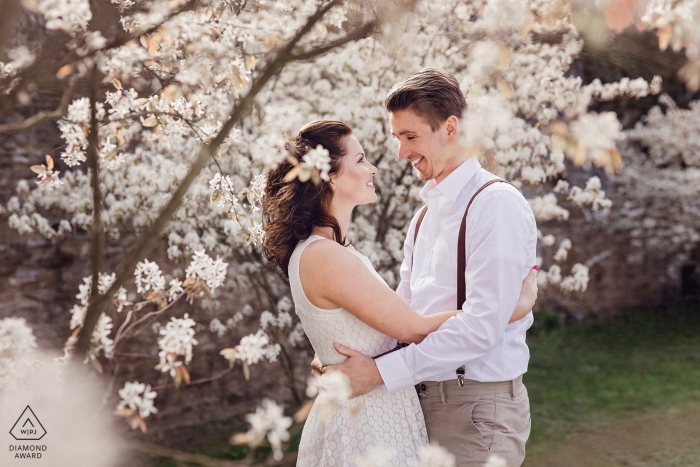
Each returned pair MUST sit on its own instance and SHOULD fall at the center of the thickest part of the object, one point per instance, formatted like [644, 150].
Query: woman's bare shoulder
[327, 254]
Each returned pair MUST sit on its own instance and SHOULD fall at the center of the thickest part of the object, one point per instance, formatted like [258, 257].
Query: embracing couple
[463, 303]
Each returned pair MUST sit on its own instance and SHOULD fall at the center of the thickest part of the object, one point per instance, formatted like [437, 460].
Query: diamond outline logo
[28, 418]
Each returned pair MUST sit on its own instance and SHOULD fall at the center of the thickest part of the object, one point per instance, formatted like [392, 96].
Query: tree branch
[148, 241]
[97, 234]
[43, 116]
[359, 33]
[196, 381]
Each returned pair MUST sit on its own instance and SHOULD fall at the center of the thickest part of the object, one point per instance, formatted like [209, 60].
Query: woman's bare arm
[333, 277]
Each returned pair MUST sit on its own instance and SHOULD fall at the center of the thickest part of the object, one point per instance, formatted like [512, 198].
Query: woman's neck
[342, 215]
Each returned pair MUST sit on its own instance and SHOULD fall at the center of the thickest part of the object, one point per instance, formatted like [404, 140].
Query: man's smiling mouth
[416, 161]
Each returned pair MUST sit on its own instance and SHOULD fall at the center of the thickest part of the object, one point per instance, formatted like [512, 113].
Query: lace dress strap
[303, 305]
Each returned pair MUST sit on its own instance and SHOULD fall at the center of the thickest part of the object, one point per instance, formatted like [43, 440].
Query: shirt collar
[453, 184]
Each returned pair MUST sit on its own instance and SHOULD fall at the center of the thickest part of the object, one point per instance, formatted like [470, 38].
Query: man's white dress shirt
[501, 238]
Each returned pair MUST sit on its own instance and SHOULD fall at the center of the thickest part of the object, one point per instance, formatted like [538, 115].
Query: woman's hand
[316, 367]
[528, 296]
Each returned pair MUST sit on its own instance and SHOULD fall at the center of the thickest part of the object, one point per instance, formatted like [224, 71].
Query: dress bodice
[324, 327]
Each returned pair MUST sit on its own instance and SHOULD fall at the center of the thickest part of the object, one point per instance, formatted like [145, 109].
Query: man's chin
[421, 175]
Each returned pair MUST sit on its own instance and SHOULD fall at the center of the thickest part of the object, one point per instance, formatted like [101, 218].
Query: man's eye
[410, 138]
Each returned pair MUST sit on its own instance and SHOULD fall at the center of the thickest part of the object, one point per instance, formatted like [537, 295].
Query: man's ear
[451, 126]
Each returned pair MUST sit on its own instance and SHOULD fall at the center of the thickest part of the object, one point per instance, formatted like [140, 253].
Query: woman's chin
[370, 200]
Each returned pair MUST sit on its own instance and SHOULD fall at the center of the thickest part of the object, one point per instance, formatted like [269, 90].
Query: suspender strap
[461, 264]
[461, 247]
[415, 234]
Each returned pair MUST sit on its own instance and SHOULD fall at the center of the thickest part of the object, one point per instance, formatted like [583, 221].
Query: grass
[585, 377]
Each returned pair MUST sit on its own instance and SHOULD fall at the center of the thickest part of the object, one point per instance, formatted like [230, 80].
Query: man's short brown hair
[431, 93]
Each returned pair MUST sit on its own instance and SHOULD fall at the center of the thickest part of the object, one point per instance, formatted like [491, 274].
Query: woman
[345, 300]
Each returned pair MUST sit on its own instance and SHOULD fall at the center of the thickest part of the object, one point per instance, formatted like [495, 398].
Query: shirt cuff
[394, 371]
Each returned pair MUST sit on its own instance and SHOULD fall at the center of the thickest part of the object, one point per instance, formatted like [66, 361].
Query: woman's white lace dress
[377, 418]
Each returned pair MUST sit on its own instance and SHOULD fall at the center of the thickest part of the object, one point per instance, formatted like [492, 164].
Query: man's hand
[360, 370]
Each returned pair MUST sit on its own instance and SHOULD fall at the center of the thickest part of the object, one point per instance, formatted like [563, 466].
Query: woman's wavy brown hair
[291, 209]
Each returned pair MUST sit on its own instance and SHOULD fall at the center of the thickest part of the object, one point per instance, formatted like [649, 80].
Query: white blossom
[16, 337]
[100, 337]
[175, 289]
[212, 272]
[296, 335]
[148, 277]
[177, 338]
[255, 347]
[69, 15]
[319, 159]
[547, 208]
[578, 280]
[217, 327]
[138, 397]
[333, 392]
[377, 456]
[269, 422]
[433, 455]
[495, 460]
[563, 251]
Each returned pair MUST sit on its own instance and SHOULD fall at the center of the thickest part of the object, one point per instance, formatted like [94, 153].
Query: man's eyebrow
[401, 133]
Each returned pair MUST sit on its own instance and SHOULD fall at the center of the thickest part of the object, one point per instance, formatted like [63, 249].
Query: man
[484, 408]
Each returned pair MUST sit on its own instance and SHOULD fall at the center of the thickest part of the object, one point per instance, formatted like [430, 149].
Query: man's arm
[500, 232]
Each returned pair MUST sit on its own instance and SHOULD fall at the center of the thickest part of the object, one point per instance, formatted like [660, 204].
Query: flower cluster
[204, 268]
[177, 338]
[136, 404]
[268, 422]
[148, 277]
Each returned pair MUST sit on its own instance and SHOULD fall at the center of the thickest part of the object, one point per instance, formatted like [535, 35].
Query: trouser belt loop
[442, 393]
[512, 390]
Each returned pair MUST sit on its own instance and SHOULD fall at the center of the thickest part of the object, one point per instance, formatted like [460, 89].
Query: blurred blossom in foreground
[268, 422]
[333, 392]
[66, 399]
[496, 461]
[378, 456]
[435, 456]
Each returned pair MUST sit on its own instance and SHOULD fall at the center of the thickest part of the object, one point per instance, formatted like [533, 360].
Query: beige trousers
[477, 419]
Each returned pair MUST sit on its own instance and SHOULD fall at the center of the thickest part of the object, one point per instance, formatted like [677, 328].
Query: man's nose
[403, 152]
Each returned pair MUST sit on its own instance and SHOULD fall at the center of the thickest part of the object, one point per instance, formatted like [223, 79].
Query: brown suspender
[461, 252]
[461, 265]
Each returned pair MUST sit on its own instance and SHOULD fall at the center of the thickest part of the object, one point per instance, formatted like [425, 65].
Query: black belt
[399, 345]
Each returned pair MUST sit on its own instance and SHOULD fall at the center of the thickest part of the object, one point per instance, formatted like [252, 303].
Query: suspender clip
[460, 376]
